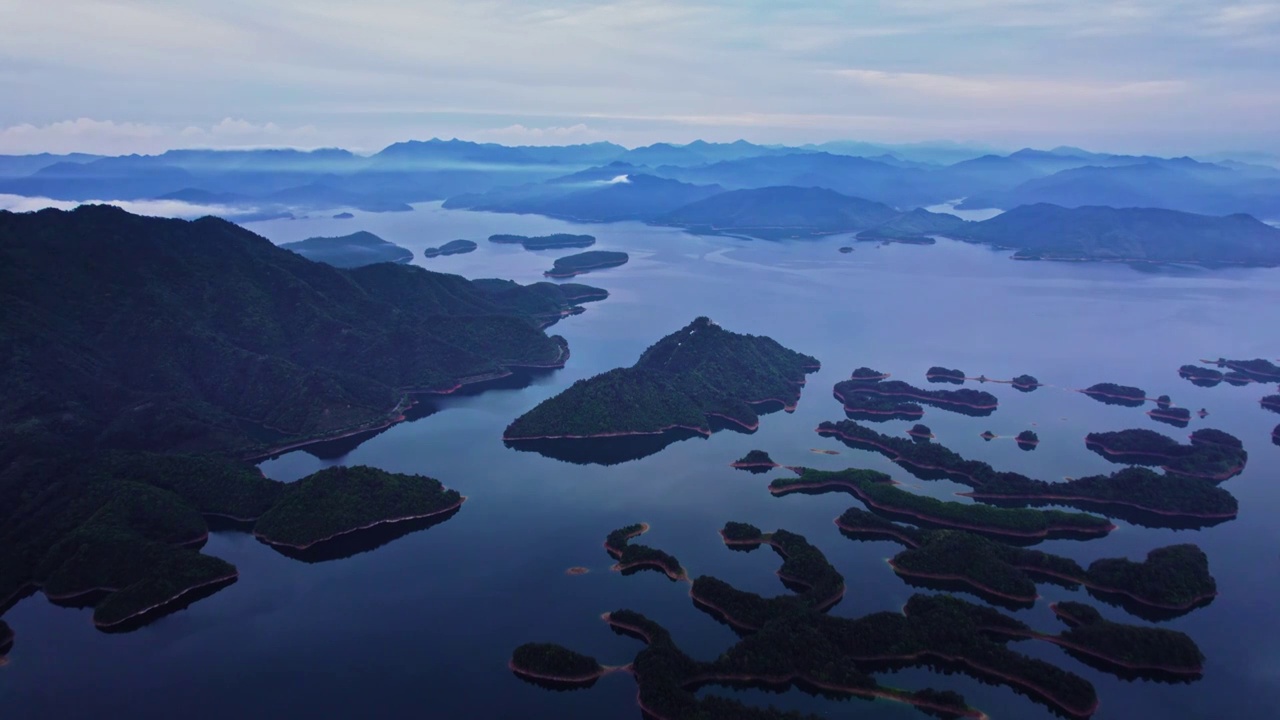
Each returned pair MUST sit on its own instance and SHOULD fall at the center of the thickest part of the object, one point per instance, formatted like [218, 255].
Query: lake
[424, 626]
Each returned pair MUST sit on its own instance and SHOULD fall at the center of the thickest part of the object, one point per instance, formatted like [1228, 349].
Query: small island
[350, 251]
[938, 374]
[1028, 440]
[1178, 417]
[1112, 394]
[882, 496]
[846, 249]
[555, 664]
[976, 403]
[1211, 455]
[697, 376]
[453, 247]
[1271, 402]
[1259, 370]
[756, 461]
[341, 500]
[632, 558]
[988, 435]
[545, 242]
[1025, 383]
[867, 375]
[1201, 376]
[921, 432]
[571, 265]
[343, 216]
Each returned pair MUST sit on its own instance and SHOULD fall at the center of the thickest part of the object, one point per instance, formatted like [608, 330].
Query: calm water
[424, 626]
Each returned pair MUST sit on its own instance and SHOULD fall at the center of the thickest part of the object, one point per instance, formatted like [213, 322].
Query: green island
[846, 249]
[1259, 370]
[1201, 376]
[684, 381]
[1271, 402]
[988, 435]
[1025, 383]
[1028, 440]
[1275, 435]
[1211, 455]
[920, 432]
[127, 423]
[1172, 581]
[571, 265]
[1136, 494]
[632, 557]
[341, 500]
[878, 491]
[1130, 651]
[555, 664]
[453, 247]
[350, 251]
[756, 461]
[867, 375]
[976, 403]
[545, 242]
[1112, 394]
[938, 374]
[790, 641]
[804, 570]
[878, 408]
[1178, 417]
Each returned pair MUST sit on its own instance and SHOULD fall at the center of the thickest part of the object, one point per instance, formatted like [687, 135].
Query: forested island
[757, 461]
[791, 640]
[1112, 394]
[545, 242]
[350, 251]
[631, 556]
[571, 265]
[878, 408]
[556, 665]
[879, 493]
[453, 247]
[937, 374]
[920, 432]
[1028, 440]
[867, 375]
[126, 421]
[976, 403]
[1211, 455]
[1271, 402]
[697, 376]
[1257, 370]
[1201, 376]
[1136, 494]
[1025, 383]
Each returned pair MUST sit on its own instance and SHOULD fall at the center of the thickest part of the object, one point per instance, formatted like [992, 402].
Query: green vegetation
[340, 500]
[867, 375]
[1160, 499]
[1176, 576]
[1204, 377]
[756, 458]
[1026, 383]
[571, 265]
[1272, 403]
[683, 380]
[1212, 454]
[1049, 232]
[877, 491]
[1112, 394]
[872, 406]
[630, 556]
[965, 401]
[1028, 440]
[846, 249]
[1258, 370]
[1130, 646]
[741, 532]
[350, 251]
[144, 353]
[453, 247]
[553, 661]
[920, 432]
[938, 374]
[545, 242]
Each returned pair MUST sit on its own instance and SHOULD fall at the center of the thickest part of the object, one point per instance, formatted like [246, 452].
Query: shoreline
[1067, 499]
[937, 402]
[233, 576]
[627, 433]
[962, 579]
[389, 521]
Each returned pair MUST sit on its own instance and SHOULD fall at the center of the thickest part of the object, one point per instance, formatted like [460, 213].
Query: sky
[119, 76]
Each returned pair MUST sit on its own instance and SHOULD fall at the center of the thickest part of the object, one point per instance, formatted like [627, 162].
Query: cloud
[553, 135]
[154, 208]
[1011, 89]
[107, 136]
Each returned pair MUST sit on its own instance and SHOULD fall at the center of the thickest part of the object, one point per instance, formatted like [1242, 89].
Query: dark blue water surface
[424, 626]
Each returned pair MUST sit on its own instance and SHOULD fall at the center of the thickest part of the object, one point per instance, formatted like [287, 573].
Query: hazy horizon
[1140, 76]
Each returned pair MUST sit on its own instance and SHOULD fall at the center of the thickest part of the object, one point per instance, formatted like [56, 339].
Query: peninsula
[697, 376]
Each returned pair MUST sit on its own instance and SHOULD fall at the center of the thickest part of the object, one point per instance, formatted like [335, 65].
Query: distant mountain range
[558, 180]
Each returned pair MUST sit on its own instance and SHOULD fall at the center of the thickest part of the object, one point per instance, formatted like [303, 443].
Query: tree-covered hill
[350, 251]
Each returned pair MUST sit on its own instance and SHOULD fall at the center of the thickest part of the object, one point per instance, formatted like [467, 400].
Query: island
[692, 379]
[6, 639]
[1201, 376]
[878, 408]
[571, 265]
[790, 640]
[846, 249]
[867, 375]
[350, 251]
[111, 510]
[921, 432]
[1211, 454]
[546, 302]
[1025, 383]
[632, 557]
[453, 247]
[882, 496]
[545, 242]
[938, 374]
[1275, 435]
[1136, 494]
[341, 500]
[1271, 402]
[977, 403]
[1178, 417]
[1238, 379]
[1259, 370]
[757, 461]
[1028, 440]
[1170, 582]
[555, 664]
[988, 435]
[1112, 394]
[343, 216]
[1128, 651]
